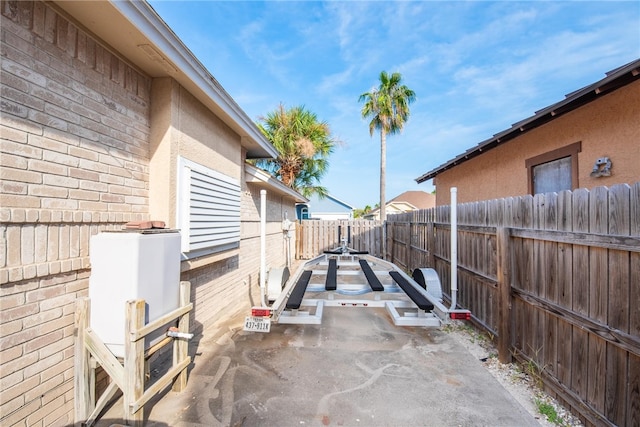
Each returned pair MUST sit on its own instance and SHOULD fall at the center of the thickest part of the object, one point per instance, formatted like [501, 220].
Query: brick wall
[73, 160]
[74, 157]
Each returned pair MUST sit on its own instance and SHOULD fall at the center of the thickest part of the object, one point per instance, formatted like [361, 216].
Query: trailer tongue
[346, 278]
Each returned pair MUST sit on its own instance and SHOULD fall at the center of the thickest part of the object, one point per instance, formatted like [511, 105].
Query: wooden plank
[524, 219]
[102, 402]
[598, 296]
[537, 322]
[159, 322]
[181, 346]
[627, 342]
[633, 392]
[430, 245]
[605, 241]
[133, 364]
[580, 299]
[82, 394]
[504, 296]
[175, 371]
[618, 305]
[550, 343]
[564, 296]
[299, 237]
[633, 377]
[105, 357]
[515, 273]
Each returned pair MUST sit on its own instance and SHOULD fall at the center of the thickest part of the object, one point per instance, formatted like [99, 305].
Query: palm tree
[303, 144]
[388, 107]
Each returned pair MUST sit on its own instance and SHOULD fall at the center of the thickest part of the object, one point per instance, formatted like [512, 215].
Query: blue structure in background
[328, 207]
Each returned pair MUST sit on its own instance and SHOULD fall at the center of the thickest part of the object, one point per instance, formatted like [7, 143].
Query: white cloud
[476, 68]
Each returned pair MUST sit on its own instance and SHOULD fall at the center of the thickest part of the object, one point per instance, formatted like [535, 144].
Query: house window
[208, 210]
[554, 171]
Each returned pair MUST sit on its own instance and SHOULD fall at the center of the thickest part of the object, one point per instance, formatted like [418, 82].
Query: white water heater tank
[129, 265]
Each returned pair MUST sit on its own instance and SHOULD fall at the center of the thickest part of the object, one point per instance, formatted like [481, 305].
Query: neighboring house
[589, 139]
[108, 118]
[329, 208]
[405, 202]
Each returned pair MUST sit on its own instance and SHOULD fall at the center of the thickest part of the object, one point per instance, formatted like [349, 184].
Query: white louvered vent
[208, 209]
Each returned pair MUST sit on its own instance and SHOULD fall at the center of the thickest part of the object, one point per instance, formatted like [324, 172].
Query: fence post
[504, 294]
[133, 363]
[181, 346]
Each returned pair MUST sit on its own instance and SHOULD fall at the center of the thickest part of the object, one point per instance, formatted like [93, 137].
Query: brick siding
[74, 160]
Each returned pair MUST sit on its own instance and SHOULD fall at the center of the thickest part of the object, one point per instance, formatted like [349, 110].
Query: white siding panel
[212, 218]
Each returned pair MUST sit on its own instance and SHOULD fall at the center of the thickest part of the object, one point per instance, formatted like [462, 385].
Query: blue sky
[476, 67]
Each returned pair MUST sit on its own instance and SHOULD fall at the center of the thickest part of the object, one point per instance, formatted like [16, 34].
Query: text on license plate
[257, 324]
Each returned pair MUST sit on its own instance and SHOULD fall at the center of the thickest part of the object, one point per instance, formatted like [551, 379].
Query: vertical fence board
[550, 344]
[523, 216]
[564, 292]
[598, 296]
[618, 313]
[316, 236]
[504, 295]
[580, 300]
[538, 325]
[633, 382]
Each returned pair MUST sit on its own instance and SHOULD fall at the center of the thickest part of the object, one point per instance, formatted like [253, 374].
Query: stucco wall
[605, 127]
[80, 153]
[182, 126]
[223, 284]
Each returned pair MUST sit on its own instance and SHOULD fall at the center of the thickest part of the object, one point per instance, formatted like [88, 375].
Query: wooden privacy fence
[556, 279]
[315, 236]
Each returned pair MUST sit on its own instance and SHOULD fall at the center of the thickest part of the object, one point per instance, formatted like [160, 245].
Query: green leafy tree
[388, 107]
[359, 213]
[304, 144]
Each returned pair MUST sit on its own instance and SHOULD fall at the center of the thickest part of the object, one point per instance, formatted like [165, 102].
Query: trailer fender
[277, 278]
[429, 280]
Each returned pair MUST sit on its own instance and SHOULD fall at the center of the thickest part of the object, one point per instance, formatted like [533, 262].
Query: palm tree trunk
[383, 174]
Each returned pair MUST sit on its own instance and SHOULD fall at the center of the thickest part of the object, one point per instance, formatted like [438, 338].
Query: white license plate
[257, 324]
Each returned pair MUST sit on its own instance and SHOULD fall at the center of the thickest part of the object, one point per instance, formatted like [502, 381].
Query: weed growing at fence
[533, 369]
[548, 411]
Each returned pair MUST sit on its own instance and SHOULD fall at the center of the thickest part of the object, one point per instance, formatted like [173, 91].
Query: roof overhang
[614, 79]
[263, 179]
[135, 32]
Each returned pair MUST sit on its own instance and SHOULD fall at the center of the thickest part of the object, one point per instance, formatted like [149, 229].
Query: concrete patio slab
[356, 369]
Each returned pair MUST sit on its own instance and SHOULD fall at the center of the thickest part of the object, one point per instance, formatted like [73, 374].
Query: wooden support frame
[128, 376]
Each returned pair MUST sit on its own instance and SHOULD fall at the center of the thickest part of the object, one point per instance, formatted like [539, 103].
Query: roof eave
[254, 175]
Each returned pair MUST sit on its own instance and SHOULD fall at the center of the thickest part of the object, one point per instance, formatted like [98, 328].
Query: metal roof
[614, 79]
